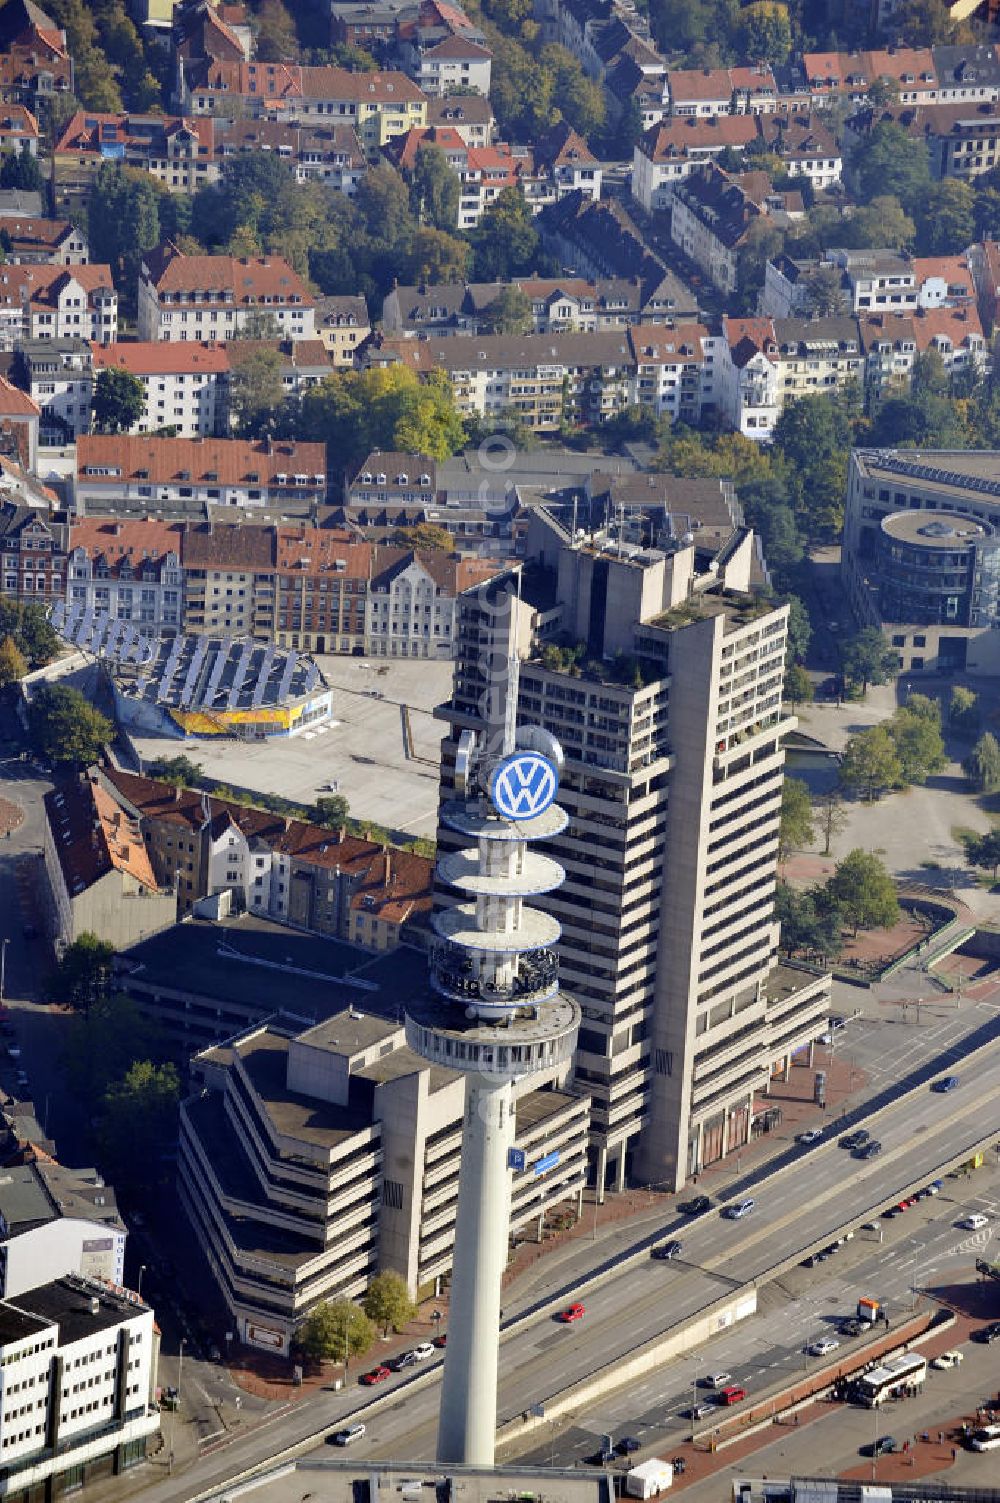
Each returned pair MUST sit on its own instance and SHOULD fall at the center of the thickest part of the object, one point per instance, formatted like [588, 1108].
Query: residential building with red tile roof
[178, 152]
[19, 425]
[18, 131]
[892, 342]
[35, 61]
[674, 376]
[669, 152]
[179, 477]
[321, 585]
[290, 870]
[851, 74]
[562, 155]
[326, 153]
[99, 873]
[32, 545]
[962, 140]
[57, 302]
[943, 281]
[187, 298]
[186, 386]
[377, 105]
[131, 569]
[411, 606]
[38, 241]
[229, 581]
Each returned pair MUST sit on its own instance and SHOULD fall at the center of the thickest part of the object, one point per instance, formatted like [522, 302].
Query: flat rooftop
[322, 1124]
[391, 1482]
[67, 1304]
[932, 529]
[349, 1032]
[738, 609]
[258, 963]
[971, 469]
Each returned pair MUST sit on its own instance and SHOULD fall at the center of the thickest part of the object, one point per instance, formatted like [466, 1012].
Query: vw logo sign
[523, 785]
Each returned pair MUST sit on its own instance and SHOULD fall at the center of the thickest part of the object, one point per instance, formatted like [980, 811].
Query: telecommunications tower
[496, 1014]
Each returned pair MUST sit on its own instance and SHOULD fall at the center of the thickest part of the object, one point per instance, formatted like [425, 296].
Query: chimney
[388, 870]
[177, 795]
[342, 834]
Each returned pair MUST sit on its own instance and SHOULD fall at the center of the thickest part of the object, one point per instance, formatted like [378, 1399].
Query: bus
[986, 1439]
[890, 1379]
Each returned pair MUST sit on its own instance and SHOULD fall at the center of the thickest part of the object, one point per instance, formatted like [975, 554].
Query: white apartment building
[675, 369]
[410, 607]
[56, 1221]
[131, 569]
[57, 302]
[186, 385]
[315, 1156]
[198, 298]
[181, 476]
[672, 779]
[671, 151]
[79, 1376]
[59, 376]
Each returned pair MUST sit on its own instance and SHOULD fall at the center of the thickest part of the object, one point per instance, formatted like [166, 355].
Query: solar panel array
[97, 632]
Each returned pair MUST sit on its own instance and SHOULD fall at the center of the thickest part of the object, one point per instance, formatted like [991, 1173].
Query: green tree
[798, 685]
[923, 23]
[123, 221]
[335, 1331]
[869, 763]
[865, 892]
[138, 1119]
[963, 709]
[984, 850]
[383, 200]
[20, 169]
[387, 1301]
[868, 659]
[799, 629]
[13, 663]
[119, 401]
[824, 288]
[765, 33]
[105, 1040]
[882, 222]
[434, 189]
[831, 816]
[256, 391]
[509, 312]
[65, 728]
[332, 810]
[982, 765]
[810, 921]
[888, 161]
[424, 535]
[814, 438]
[578, 99]
[435, 256]
[915, 731]
[180, 771]
[945, 217]
[275, 33]
[82, 976]
[505, 240]
[30, 630]
[796, 817]
[883, 93]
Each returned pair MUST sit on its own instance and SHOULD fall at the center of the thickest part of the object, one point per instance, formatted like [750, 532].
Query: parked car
[671, 1249]
[935, 1187]
[347, 1436]
[696, 1206]
[601, 1457]
[811, 1135]
[946, 1083]
[571, 1313]
[947, 1360]
[442, 1340]
[423, 1350]
[403, 1361]
[377, 1375]
[852, 1326]
[884, 1446]
[697, 1411]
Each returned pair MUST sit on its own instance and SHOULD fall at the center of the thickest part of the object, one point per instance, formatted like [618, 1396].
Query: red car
[377, 1375]
[573, 1312]
[441, 1340]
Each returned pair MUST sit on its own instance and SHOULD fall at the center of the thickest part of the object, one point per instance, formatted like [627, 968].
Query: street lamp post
[142, 1270]
[3, 965]
[694, 1405]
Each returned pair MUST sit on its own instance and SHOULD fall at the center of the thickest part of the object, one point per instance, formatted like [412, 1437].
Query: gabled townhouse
[57, 302]
[805, 145]
[186, 385]
[216, 297]
[483, 171]
[395, 480]
[58, 375]
[817, 355]
[755, 89]
[748, 388]
[557, 303]
[303, 362]
[121, 475]
[229, 580]
[178, 153]
[329, 154]
[32, 546]
[18, 131]
[30, 241]
[710, 220]
[669, 152]
[343, 325]
[19, 424]
[883, 280]
[202, 31]
[545, 379]
[629, 87]
[411, 609]
[892, 342]
[131, 569]
[849, 75]
[565, 161]
[369, 24]
[321, 585]
[35, 61]
[469, 114]
[699, 93]
[441, 59]
[675, 370]
[377, 105]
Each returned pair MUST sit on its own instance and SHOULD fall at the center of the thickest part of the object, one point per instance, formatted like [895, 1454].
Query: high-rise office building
[647, 654]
